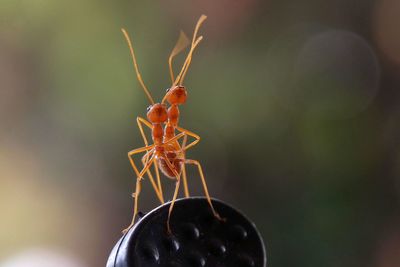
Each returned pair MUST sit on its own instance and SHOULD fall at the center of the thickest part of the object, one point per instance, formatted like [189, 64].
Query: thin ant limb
[196, 29]
[178, 181]
[203, 180]
[147, 166]
[139, 76]
[135, 205]
[189, 56]
[149, 174]
[158, 180]
[176, 138]
[153, 183]
[186, 64]
[184, 177]
[139, 121]
[189, 61]
[155, 187]
[178, 79]
[189, 133]
[150, 151]
[137, 191]
[159, 186]
[185, 183]
[138, 179]
[181, 44]
[136, 151]
[186, 189]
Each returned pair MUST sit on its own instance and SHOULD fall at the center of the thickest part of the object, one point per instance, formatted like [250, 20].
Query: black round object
[198, 239]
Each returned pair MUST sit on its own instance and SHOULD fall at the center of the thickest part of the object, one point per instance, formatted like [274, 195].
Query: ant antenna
[190, 58]
[128, 40]
[195, 42]
[181, 44]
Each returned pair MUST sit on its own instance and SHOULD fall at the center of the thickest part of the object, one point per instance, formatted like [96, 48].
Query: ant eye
[148, 108]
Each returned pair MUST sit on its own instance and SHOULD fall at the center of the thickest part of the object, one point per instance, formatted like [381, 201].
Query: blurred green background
[297, 104]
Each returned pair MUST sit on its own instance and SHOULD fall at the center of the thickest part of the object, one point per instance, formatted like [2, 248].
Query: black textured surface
[197, 239]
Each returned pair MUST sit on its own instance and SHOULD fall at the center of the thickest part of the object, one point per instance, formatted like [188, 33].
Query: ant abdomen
[176, 161]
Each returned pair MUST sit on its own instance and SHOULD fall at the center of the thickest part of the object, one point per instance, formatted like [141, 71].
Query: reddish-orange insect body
[166, 153]
[157, 115]
[175, 96]
[175, 158]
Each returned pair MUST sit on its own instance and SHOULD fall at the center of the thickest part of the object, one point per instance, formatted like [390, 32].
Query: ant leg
[135, 206]
[189, 133]
[158, 180]
[149, 149]
[184, 148]
[137, 191]
[155, 186]
[175, 138]
[146, 168]
[131, 153]
[185, 183]
[178, 181]
[148, 164]
[139, 121]
[203, 180]
[172, 168]
[136, 151]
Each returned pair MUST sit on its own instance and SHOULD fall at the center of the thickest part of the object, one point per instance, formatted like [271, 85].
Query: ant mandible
[166, 154]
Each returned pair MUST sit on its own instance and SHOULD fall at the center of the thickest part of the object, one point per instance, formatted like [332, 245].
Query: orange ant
[166, 153]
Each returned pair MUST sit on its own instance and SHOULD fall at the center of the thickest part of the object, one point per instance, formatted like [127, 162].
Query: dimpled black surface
[198, 239]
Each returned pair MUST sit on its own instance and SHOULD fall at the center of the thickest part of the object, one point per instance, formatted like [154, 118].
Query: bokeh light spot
[330, 73]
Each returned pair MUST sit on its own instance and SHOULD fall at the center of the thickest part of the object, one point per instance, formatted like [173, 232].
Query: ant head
[157, 113]
[176, 95]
